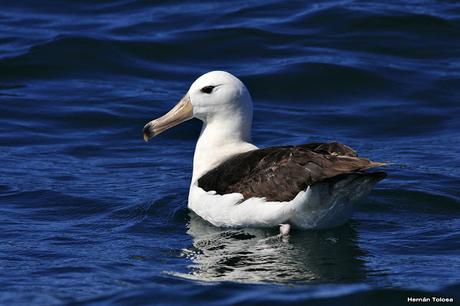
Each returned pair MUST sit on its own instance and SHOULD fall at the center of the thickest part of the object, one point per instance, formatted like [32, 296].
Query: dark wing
[333, 148]
[280, 173]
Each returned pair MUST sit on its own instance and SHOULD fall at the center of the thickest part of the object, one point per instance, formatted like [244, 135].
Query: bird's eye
[207, 89]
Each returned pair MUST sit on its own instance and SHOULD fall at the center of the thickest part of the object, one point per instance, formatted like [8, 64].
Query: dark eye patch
[207, 89]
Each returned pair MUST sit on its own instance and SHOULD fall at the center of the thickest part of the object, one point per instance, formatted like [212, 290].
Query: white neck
[221, 137]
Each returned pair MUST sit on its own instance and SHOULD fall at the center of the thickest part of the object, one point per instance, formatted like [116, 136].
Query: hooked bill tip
[147, 134]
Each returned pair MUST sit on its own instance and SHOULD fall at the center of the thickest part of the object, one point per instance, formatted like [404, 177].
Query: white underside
[317, 207]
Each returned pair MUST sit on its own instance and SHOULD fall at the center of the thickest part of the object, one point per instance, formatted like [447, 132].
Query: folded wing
[280, 173]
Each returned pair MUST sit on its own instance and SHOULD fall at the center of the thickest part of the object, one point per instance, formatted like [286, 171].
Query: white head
[217, 98]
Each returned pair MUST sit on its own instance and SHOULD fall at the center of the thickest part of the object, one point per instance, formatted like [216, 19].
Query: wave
[51, 205]
[227, 293]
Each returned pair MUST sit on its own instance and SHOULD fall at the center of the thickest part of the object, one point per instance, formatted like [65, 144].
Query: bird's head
[216, 95]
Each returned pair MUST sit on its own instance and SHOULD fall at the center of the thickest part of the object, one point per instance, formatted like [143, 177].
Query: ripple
[51, 205]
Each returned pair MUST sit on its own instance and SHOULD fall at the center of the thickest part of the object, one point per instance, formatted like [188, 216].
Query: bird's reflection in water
[261, 255]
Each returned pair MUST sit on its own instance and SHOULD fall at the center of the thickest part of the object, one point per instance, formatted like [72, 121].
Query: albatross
[236, 184]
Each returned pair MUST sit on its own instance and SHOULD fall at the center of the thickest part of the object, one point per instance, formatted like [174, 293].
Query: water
[90, 214]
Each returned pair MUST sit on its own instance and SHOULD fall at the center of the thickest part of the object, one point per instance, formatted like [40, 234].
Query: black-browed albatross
[236, 184]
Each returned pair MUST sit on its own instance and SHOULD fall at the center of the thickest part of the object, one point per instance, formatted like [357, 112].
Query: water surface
[90, 214]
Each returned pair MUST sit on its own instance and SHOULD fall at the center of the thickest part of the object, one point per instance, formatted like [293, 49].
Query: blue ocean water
[92, 215]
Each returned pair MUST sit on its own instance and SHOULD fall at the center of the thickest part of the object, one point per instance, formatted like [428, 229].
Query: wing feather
[280, 173]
